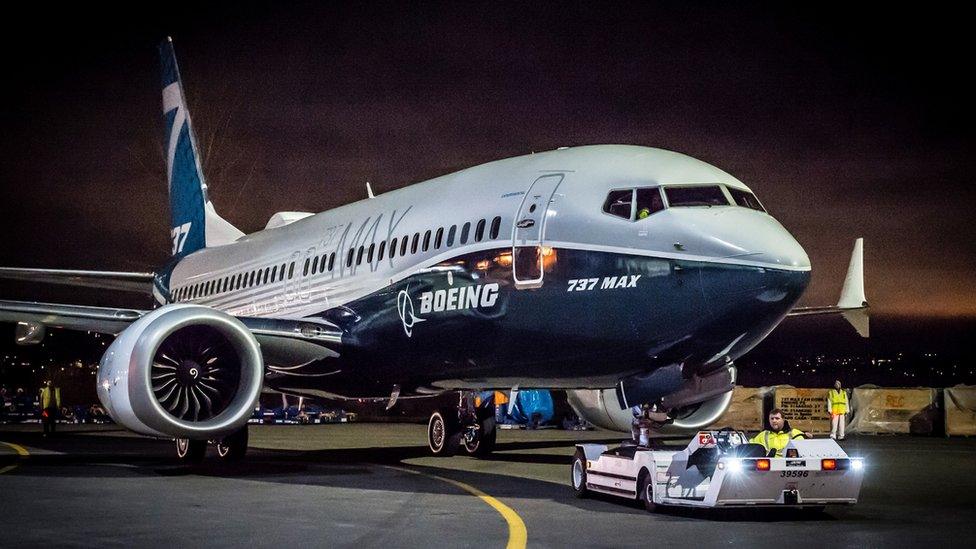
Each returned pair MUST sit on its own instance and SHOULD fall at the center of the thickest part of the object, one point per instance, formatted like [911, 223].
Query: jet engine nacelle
[183, 371]
[700, 402]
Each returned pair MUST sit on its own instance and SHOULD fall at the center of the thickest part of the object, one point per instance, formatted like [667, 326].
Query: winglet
[852, 296]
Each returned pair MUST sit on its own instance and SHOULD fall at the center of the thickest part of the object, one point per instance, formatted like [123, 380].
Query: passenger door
[529, 233]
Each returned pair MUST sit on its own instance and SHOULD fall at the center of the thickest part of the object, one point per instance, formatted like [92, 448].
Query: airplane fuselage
[532, 271]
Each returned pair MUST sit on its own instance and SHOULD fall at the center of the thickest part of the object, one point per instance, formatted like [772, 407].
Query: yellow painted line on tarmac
[517, 535]
[21, 451]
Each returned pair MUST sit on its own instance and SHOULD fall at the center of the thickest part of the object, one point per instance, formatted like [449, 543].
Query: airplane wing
[73, 317]
[852, 305]
[283, 341]
[109, 280]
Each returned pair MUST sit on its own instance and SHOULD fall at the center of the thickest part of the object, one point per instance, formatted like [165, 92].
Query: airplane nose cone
[783, 250]
[750, 237]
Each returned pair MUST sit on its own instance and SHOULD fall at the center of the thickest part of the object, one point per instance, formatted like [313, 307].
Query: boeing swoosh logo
[406, 312]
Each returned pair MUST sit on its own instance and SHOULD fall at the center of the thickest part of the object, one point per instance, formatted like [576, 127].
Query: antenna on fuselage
[369, 190]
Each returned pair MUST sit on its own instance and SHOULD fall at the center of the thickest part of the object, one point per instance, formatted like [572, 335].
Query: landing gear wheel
[578, 477]
[233, 447]
[645, 492]
[190, 451]
[443, 433]
[484, 443]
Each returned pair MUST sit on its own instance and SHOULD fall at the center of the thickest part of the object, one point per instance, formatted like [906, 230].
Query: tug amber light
[828, 464]
[762, 464]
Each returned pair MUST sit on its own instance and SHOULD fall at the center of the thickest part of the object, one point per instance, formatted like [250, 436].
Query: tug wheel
[645, 491]
[578, 475]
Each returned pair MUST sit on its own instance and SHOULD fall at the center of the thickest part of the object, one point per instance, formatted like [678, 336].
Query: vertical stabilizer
[194, 221]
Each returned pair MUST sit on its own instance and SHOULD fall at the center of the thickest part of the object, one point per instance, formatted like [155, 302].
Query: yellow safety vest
[838, 401]
[49, 398]
[776, 439]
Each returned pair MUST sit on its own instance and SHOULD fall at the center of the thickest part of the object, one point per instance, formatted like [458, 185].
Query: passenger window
[393, 245]
[352, 251]
[745, 199]
[450, 235]
[438, 238]
[274, 273]
[464, 233]
[426, 241]
[479, 233]
[359, 256]
[496, 224]
[680, 197]
[619, 203]
[315, 265]
[331, 260]
[291, 270]
[382, 249]
[369, 255]
[413, 245]
[251, 283]
[649, 201]
[403, 246]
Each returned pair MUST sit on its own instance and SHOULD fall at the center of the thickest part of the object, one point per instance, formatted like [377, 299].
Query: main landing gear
[229, 448]
[469, 426]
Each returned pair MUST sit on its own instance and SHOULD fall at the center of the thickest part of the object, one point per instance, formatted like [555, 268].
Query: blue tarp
[530, 403]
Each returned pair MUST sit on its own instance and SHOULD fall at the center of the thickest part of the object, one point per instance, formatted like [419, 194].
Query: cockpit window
[745, 199]
[619, 203]
[648, 201]
[710, 195]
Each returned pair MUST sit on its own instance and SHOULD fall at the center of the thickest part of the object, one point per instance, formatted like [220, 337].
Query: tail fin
[194, 221]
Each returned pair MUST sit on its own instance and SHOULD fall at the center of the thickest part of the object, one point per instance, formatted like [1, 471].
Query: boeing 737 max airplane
[626, 275]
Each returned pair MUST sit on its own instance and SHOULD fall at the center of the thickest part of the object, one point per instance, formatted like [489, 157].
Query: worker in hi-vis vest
[50, 398]
[837, 406]
[779, 434]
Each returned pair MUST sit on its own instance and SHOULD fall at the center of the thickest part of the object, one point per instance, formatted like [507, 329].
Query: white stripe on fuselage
[322, 291]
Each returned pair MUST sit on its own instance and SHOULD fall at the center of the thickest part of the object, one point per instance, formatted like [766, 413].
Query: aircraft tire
[190, 451]
[484, 445]
[443, 433]
[233, 447]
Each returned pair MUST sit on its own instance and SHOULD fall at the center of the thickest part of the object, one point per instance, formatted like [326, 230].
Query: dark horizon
[846, 121]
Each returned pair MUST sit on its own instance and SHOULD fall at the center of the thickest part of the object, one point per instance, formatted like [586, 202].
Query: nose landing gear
[468, 425]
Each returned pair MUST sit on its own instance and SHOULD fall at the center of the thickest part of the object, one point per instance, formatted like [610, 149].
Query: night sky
[845, 123]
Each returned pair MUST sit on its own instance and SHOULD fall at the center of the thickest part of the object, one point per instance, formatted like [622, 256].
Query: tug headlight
[857, 464]
[733, 465]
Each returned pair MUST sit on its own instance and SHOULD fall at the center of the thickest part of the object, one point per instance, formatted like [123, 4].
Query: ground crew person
[50, 406]
[779, 433]
[837, 406]
[644, 213]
